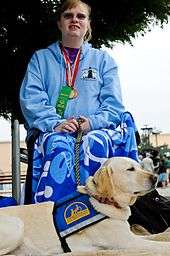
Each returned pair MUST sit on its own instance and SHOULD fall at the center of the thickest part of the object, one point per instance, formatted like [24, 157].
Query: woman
[66, 81]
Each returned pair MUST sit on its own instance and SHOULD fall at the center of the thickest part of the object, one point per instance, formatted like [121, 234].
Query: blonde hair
[68, 4]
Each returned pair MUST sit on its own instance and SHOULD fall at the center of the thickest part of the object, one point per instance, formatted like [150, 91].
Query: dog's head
[120, 180]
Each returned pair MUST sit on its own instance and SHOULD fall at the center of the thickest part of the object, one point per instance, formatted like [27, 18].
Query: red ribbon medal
[71, 72]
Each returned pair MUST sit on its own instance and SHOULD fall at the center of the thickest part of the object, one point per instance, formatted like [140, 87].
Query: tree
[31, 24]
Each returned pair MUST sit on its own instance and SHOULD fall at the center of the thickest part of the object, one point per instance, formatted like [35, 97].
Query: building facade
[6, 167]
[160, 139]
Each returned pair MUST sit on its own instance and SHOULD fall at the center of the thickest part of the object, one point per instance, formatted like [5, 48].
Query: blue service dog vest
[73, 213]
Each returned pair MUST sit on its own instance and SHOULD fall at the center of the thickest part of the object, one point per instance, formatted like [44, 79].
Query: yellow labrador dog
[113, 188]
[12, 236]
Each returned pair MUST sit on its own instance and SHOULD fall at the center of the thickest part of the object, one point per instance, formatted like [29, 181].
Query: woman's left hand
[70, 125]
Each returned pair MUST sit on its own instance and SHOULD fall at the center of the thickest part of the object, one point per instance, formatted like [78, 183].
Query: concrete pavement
[164, 191]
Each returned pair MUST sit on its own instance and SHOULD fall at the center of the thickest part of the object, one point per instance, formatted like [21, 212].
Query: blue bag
[7, 201]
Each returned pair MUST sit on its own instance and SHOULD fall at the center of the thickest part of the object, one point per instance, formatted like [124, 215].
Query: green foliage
[27, 25]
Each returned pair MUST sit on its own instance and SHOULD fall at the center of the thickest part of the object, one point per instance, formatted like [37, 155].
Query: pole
[156, 139]
[147, 131]
[16, 180]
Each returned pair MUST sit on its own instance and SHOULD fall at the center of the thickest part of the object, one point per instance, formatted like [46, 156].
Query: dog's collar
[103, 200]
[106, 200]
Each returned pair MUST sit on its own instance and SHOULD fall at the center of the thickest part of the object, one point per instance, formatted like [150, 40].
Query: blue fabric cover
[7, 201]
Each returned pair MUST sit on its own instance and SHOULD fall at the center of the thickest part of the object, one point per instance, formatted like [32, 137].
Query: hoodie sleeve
[34, 100]
[111, 107]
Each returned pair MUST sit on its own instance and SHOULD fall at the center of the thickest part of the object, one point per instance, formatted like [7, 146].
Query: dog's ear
[104, 181]
[88, 188]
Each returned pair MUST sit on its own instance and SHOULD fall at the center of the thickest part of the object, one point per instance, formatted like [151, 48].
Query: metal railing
[18, 155]
[7, 179]
[6, 184]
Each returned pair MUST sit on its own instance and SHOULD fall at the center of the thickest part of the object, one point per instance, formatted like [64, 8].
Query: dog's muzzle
[153, 183]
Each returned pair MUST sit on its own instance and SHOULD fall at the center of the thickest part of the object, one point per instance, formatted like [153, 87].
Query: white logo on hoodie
[89, 74]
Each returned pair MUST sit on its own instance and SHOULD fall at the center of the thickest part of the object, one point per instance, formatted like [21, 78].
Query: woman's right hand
[70, 125]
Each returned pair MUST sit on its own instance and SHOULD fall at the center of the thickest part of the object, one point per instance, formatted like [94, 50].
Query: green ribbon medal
[63, 99]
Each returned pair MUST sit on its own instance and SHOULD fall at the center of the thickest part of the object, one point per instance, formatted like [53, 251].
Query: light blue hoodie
[99, 93]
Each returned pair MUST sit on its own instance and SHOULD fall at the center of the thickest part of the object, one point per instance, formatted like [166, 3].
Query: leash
[63, 241]
[77, 150]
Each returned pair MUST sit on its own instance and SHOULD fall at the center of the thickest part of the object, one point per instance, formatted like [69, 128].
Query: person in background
[167, 166]
[71, 87]
[147, 163]
[163, 175]
[140, 157]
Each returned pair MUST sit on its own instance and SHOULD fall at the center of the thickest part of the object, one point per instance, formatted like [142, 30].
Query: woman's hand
[85, 125]
[70, 125]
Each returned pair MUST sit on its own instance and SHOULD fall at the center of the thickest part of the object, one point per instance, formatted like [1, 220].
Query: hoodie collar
[55, 47]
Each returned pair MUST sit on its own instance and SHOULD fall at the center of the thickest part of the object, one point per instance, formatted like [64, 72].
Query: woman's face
[74, 22]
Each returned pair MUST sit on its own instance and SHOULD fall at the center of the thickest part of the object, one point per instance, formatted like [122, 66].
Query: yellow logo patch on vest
[75, 211]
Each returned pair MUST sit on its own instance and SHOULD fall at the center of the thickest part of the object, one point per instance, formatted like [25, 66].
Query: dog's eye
[131, 169]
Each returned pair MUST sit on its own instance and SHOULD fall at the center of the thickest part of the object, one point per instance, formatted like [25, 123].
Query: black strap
[28, 185]
[63, 241]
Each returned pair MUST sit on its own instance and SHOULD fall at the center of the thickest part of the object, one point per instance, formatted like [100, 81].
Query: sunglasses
[69, 15]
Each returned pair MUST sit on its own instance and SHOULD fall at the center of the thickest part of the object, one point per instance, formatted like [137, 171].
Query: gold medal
[73, 94]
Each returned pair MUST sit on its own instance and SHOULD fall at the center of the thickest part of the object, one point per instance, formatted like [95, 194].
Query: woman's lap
[54, 160]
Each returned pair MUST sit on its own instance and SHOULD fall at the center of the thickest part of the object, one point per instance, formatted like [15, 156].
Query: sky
[144, 71]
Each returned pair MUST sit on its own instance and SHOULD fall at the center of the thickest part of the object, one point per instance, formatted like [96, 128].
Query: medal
[71, 72]
[73, 93]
